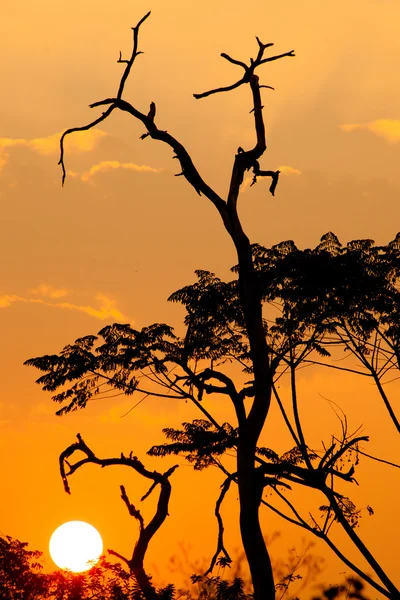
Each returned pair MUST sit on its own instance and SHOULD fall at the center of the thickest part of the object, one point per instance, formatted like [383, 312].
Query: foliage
[199, 441]
[22, 578]
[351, 588]
[20, 571]
[328, 296]
[216, 587]
[350, 291]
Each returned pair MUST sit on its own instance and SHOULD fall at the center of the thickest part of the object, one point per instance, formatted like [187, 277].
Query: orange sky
[124, 233]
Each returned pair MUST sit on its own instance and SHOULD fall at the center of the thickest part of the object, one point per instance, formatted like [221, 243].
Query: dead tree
[146, 532]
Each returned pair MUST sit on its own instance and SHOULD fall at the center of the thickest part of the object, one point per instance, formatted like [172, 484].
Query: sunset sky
[124, 233]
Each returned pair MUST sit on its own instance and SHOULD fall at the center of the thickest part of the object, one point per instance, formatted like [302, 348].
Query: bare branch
[263, 46]
[285, 417]
[188, 169]
[118, 555]
[145, 532]
[277, 57]
[234, 61]
[391, 590]
[227, 88]
[386, 462]
[229, 389]
[249, 69]
[220, 543]
[121, 60]
[104, 116]
[135, 53]
[147, 494]
[259, 173]
[134, 512]
[286, 517]
[315, 362]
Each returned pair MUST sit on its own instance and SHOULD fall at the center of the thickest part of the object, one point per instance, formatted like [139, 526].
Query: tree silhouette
[229, 321]
[110, 581]
[20, 571]
[146, 532]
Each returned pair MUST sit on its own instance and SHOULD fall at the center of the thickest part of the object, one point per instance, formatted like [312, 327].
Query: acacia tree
[225, 321]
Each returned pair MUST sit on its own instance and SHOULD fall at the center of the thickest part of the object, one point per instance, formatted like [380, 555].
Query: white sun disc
[76, 546]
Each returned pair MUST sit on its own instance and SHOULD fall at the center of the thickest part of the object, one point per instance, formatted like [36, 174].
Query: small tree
[228, 322]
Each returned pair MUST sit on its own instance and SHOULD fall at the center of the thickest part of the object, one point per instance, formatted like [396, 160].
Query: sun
[76, 546]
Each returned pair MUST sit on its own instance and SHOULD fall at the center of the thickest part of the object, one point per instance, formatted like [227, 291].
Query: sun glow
[75, 546]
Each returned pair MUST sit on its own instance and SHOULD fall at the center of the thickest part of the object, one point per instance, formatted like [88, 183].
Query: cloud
[106, 308]
[80, 141]
[287, 170]
[109, 165]
[389, 129]
[3, 158]
[48, 291]
[6, 300]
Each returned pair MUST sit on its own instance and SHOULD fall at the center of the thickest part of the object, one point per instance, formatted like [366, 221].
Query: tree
[20, 571]
[228, 321]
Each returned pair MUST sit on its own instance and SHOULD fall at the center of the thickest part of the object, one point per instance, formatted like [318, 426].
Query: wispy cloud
[6, 300]
[48, 291]
[287, 170]
[389, 129]
[80, 141]
[109, 165]
[3, 158]
[106, 307]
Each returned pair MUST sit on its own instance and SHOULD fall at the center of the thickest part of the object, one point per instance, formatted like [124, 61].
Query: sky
[124, 233]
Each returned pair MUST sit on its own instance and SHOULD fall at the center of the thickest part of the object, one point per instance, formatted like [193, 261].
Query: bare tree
[146, 532]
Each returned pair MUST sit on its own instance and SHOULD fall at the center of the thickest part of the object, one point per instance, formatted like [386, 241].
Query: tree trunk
[143, 582]
[250, 492]
[250, 481]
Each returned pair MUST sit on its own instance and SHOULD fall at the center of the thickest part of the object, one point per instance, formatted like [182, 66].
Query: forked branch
[221, 550]
[188, 170]
[146, 532]
[248, 69]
